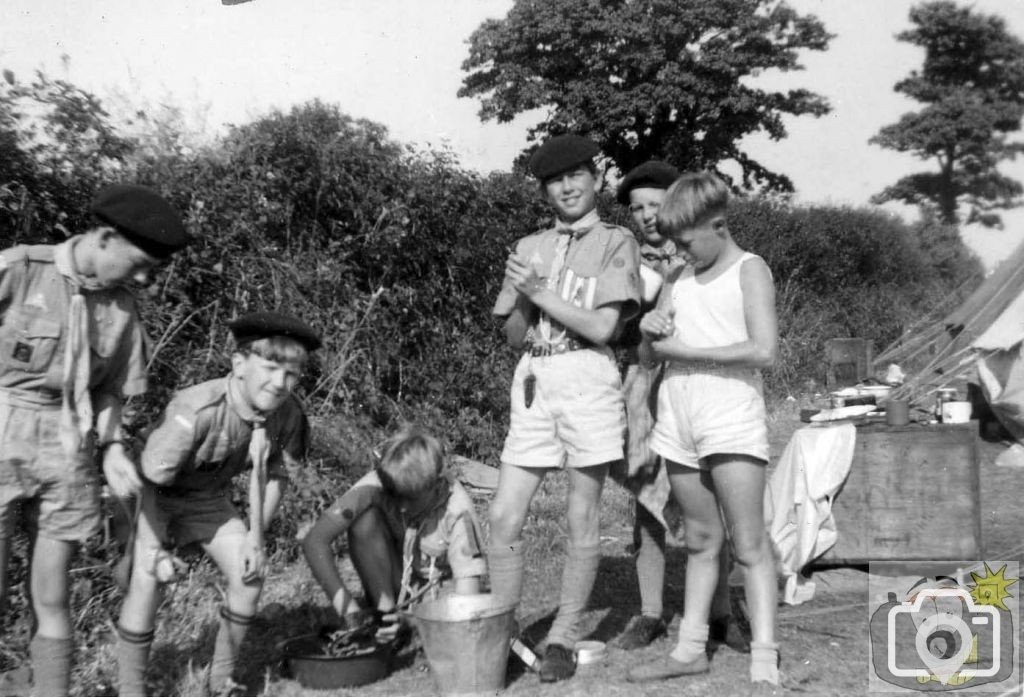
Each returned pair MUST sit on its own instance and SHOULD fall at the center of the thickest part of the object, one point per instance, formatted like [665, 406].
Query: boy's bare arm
[597, 325]
[759, 351]
[118, 468]
[316, 548]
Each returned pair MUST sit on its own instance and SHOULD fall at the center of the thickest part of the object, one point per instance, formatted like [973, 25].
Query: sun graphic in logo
[991, 588]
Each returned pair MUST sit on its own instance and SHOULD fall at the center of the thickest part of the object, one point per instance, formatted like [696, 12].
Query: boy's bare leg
[584, 553]
[516, 488]
[51, 647]
[743, 506]
[704, 535]
[377, 559]
[135, 625]
[239, 607]
[649, 538]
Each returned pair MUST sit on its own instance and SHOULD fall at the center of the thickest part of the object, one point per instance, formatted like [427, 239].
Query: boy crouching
[208, 434]
[410, 527]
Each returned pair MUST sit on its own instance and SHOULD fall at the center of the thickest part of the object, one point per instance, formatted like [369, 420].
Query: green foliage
[972, 88]
[647, 79]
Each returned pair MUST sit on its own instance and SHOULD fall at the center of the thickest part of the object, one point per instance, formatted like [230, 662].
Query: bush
[848, 272]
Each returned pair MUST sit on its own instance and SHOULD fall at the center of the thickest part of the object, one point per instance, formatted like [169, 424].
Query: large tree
[972, 86]
[647, 78]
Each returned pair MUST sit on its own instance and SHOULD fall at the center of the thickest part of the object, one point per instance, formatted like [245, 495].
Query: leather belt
[563, 346]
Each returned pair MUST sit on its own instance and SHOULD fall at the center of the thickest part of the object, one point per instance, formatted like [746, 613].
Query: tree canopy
[972, 86]
[648, 78]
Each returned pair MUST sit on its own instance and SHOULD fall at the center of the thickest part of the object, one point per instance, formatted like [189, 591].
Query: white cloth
[798, 501]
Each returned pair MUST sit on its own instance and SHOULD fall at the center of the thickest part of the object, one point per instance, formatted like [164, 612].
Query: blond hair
[692, 198]
[411, 462]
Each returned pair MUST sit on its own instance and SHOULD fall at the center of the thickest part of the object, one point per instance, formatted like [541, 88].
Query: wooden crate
[848, 361]
[912, 494]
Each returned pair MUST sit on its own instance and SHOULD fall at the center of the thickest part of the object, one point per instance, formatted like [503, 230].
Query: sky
[397, 62]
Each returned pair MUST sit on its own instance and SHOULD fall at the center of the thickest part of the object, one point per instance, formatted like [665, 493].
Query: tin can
[943, 395]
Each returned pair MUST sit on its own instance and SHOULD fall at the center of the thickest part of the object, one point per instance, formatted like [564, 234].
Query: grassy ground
[824, 642]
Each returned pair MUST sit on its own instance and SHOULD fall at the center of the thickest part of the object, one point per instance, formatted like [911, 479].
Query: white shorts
[720, 412]
[577, 418]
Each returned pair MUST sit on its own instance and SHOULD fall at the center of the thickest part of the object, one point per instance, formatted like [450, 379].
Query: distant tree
[57, 146]
[972, 85]
[647, 78]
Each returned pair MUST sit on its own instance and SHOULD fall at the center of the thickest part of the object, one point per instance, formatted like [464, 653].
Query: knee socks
[577, 581]
[132, 658]
[225, 651]
[51, 666]
[764, 662]
[649, 538]
[692, 642]
[505, 567]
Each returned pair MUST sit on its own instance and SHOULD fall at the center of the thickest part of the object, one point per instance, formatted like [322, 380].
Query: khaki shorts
[577, 418]
[59, 494]
[710, 413]
[181, 520]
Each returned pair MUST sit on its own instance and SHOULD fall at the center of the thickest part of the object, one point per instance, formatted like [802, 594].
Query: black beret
[143, 216]
[560, 153]
[260, 325]
[650, 175]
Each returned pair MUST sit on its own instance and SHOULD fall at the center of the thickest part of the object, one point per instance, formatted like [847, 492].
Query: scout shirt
[202, 439]
[601, 267]
[34, 301]
[448, 532]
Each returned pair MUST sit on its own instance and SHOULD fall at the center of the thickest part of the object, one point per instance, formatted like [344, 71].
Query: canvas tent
[981, 340]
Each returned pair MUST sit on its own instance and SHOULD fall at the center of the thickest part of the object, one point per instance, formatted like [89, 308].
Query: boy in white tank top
[715, 327]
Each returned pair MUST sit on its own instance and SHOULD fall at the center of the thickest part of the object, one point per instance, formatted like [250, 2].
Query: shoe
[559, 663]
[667, 667]
[726, 631]
[640, 632]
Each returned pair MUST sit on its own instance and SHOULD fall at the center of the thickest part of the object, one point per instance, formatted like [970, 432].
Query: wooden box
[849, 362]
[913, 493]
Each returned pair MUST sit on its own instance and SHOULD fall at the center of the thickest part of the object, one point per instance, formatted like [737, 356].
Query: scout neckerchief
[406, 593]
[259, 453]
[661, 259]
[544, 334]
[76, 415]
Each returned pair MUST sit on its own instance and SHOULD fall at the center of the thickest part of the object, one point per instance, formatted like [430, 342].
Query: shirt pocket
[28, 342]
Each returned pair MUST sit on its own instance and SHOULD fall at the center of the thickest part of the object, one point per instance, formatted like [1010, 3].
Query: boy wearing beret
[565, 292]
[208, 434]
[71, 350]
[642, 191]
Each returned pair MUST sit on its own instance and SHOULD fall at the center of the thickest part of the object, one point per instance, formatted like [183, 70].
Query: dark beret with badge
[260, 325]
[142, 216]
[650, 175]
[561, 153]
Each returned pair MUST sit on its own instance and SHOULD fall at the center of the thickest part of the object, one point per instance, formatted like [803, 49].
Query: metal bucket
[466, 639]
